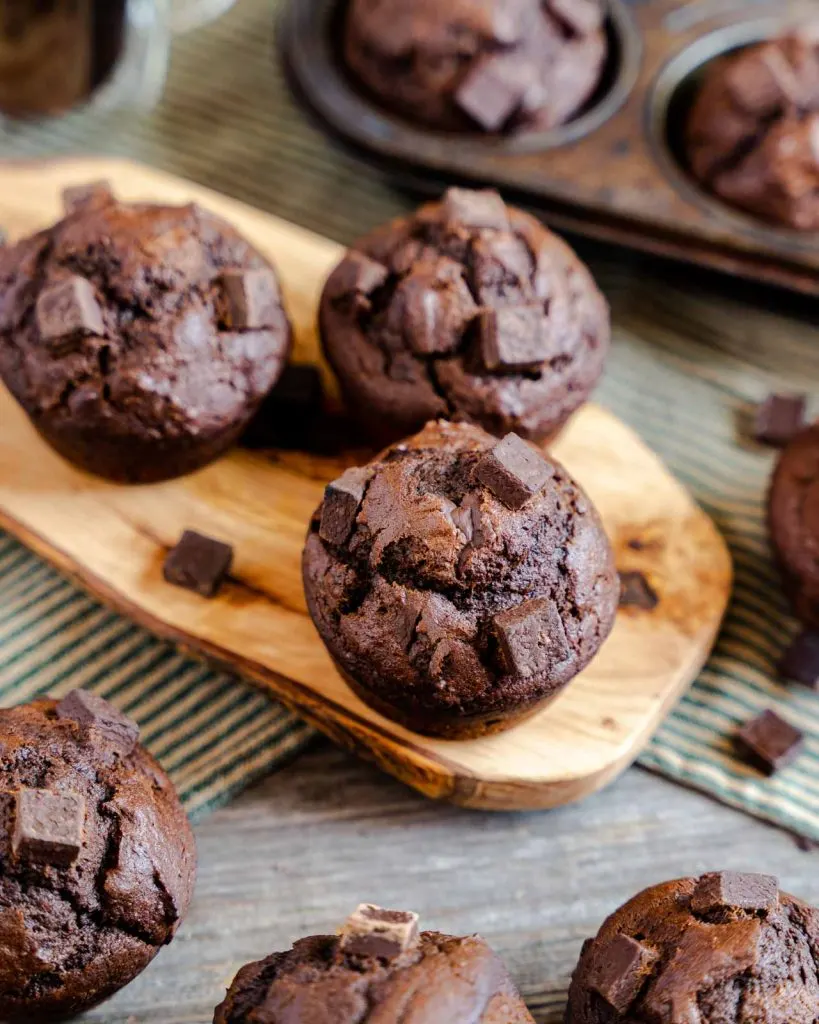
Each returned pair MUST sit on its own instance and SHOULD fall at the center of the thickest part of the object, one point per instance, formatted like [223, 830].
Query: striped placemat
[686, 362]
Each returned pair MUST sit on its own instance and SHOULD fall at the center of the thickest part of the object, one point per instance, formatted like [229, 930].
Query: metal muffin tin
[615, 171]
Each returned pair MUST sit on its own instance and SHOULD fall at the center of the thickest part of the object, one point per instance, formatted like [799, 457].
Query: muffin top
[458, 574]
[468, 309]
[347, 979]
[489, 65]
[97, 858]
[753, 131]
[725, 948]
[140, 321]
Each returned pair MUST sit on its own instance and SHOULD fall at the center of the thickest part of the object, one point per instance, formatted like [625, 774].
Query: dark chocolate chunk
[94, 712]
[289, 413]
[760, 81]
[493, 90]
[475, 209]
[356, 274]
[68, 308]
[251, 299]
[769, 742]
[779, 418]
[622, 967]
[582, 17]
[501, 266]
[87, 197]
[342, 500]
[531, 637]
[434, 310]
[801, 660]
[48, 827]
[372, 932]
[513, 471]
[514, 338]
[198, 563]
[637, 592]
[731, 890]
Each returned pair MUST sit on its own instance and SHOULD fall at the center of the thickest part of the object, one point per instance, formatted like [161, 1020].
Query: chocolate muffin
[459, 582]
[468, 309]
[480, 65]
[722, 949]
[753, 131]
[793, 521]
[379, 969]
[140, 339]
[97, 858]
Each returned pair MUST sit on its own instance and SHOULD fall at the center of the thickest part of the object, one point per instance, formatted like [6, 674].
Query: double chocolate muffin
[469, 309]
[753, 131]
[378, 969]
[140, 339]
[97, 859]
[485, 65]
[459, 582]
[725, 948]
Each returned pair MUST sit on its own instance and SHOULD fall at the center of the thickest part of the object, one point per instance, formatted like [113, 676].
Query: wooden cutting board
[112, 539]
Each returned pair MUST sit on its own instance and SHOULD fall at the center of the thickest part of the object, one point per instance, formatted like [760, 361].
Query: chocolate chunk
[198, 563]
[251, 299]
[760, 81]
[769, 742]
[637, 592]
[290, 412]
[48, 827]
[531, 637]
[434, 311]
[94, 712]
[68, 308]
[581, 17]
[501, 269]
[342, 500]
[356, 274]
[514, 338]
[779, 418]
[621, 968]
[801, 660]
[87, 197]
[372, 932]
[493, 90]
[730, 890]
[475, 209]
[513, 471]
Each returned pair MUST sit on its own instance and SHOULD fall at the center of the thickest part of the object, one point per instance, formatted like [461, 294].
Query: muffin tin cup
[613, 172]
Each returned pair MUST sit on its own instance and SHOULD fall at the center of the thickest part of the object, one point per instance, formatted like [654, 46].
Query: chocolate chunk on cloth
[779, 418]
[373, 931]
[731, 890]
[637, 592]
[769, 742]
[48, 827]
[68, 308]
[513, 471]
[91, 711]
[801, 660]
[622, 967]
[198, 563]
[342, 500]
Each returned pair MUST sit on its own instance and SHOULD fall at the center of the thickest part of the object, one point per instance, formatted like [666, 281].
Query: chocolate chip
[198, 563]
[514, 338]
[637, 592]
[48, 827]
[531, 637]
[779, 418]
[434, 312]
[620, 969]
[91, 196]
[731, 890]
[356, 273]
[801, 660]
[289, 414]
[475, 209]
[94, 712]
[342, 500]
[68, 308]
[513, 471]
[250, 299]
[769, 742]
[582, 17]
[493, 91]
[372, 932]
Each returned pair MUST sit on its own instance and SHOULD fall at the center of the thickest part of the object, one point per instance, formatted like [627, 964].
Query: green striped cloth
[686, 362]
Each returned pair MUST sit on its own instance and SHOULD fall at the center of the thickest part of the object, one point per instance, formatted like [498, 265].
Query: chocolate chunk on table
[801, 660]
[48, 827]
[94, 712]
[513, 471]
[621, 968]
[475, 209]
[67, 308]
[89, 196]
[198, 563]
[779, 418]
[531, 637]
[342, 500]
[769, 742]
[250, 299]
[289, 414]
[637, 592]
[732, 890]
[373, 932]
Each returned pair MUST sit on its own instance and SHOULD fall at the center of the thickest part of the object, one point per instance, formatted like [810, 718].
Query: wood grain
[112, 540]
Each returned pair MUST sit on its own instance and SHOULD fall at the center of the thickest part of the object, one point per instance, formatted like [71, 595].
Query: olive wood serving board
[112, 540]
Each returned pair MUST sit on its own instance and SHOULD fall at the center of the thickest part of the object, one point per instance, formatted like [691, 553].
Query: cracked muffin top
[459, 581]
[468, 309]
[140, 339]
[753, 131]
[480, 65]
[726, 948]
[97, 859]
[378, 970]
